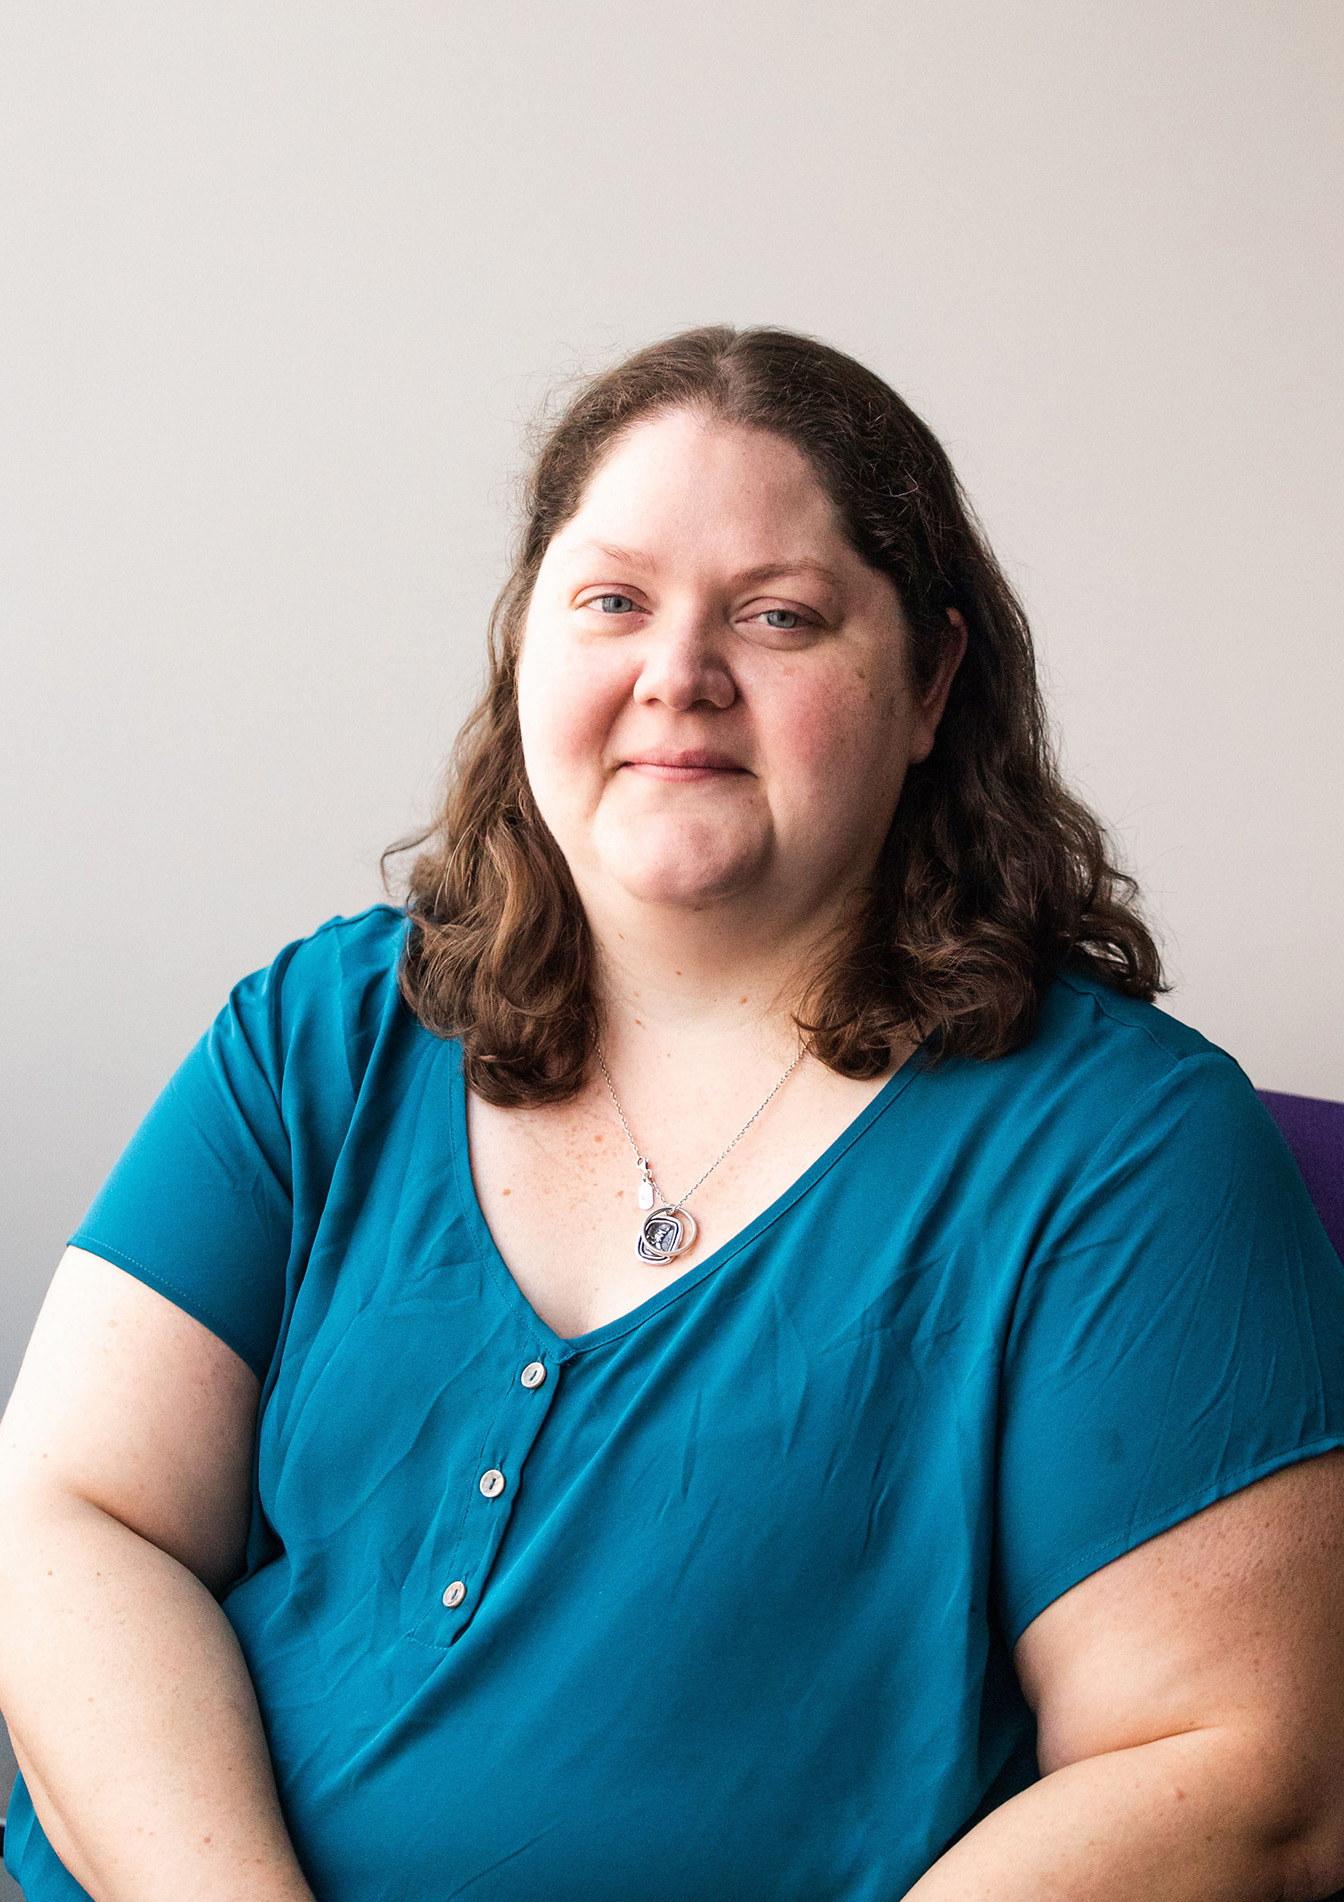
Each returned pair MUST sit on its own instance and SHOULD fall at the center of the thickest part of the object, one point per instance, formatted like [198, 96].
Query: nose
[684, 664]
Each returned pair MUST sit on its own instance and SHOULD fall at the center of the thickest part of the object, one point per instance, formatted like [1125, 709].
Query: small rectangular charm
[645, 1193]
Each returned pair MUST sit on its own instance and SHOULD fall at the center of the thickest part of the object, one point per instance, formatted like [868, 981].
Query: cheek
[848, 724]
[565, 707]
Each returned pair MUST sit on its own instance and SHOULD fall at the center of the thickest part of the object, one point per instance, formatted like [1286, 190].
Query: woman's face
[713, 686]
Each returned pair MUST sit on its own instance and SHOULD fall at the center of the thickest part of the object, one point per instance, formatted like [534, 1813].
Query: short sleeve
[200, 1203]
[1178, 1333]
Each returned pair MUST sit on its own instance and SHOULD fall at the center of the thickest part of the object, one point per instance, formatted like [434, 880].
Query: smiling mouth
[689, 765]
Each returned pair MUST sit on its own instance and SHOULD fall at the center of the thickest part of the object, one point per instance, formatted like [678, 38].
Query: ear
[934, 698]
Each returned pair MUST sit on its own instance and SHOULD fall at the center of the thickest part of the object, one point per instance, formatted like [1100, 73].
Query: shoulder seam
[1101, 998]
[352, 918]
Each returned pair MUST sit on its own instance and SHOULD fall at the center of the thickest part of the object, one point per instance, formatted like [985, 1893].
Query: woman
[781, 1374]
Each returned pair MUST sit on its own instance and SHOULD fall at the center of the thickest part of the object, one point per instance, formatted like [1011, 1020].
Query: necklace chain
[645, 1168]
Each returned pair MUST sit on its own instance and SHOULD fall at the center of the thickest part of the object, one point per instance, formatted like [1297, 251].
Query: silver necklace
[667, 1229]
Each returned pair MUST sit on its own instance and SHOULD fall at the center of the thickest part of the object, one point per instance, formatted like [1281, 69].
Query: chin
[682, 884]
[683, 897]
[698, 866]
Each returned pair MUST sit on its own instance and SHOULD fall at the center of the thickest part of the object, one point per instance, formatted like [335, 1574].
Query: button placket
[530, 1388]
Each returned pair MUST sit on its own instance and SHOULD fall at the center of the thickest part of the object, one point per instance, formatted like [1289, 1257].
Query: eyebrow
[770, 571]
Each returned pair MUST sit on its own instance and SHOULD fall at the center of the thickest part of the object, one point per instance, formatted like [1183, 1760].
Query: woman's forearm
[1202, 1817]
[133, 1716]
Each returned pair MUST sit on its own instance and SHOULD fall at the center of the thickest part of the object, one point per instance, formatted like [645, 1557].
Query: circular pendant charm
[668, 1231]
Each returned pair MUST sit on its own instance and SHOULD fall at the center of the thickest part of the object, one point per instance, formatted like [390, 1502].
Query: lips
[686, 763]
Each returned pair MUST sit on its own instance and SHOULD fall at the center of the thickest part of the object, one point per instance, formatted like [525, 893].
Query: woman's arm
[125, 1469]
[1190, 1702]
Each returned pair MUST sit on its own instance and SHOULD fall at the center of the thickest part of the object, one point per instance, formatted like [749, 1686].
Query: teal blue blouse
[737, 1625]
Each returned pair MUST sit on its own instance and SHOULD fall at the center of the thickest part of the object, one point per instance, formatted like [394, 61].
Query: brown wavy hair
[993, 876]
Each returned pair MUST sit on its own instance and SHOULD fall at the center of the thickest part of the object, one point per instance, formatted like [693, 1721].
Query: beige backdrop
[284, 276]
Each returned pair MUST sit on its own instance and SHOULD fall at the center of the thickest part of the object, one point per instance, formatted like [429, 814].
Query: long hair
[993, 877]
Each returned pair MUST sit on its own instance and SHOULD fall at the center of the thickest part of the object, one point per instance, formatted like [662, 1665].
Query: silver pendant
[667, 1232]
[646, 1191]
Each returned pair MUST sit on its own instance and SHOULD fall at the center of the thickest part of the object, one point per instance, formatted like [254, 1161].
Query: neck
[702, 981]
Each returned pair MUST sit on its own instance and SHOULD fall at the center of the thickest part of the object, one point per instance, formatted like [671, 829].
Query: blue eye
[783, 618]
[609, 603]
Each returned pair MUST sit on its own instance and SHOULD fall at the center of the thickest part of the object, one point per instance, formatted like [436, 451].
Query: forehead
[683, 478]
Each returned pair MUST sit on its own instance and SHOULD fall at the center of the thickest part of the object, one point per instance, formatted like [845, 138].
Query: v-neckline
[564, 1347]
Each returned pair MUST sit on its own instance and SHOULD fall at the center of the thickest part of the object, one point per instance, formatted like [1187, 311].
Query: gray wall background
[284, 280]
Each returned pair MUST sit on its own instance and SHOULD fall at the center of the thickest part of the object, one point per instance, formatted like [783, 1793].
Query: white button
[533, 1374]
[492, 1483]
[454, 1595]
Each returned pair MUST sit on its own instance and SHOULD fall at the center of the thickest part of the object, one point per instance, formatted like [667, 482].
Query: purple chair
[1314, 1130]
